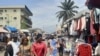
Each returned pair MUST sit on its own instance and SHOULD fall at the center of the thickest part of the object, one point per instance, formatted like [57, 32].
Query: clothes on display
[87, 30]
[87, 26]
[92, 31]
[79, 25]
[83, 21]
[72, 27]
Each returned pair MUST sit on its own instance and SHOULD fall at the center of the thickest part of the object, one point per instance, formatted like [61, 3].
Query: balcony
[27, 19]
[25, 25]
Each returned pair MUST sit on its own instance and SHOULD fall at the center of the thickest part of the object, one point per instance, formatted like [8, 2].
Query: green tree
[68, 10]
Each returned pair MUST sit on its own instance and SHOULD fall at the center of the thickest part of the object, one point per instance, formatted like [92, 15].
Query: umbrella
[3, 30]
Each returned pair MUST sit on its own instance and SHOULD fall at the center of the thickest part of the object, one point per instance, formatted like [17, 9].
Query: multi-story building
[16, 16]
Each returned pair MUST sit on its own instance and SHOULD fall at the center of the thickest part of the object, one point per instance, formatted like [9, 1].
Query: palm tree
[68, 10]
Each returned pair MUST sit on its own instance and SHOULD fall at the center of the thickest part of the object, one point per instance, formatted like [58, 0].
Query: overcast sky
[44, 11]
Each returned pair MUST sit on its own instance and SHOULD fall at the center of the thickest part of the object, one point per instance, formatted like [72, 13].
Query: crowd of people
[52, 46]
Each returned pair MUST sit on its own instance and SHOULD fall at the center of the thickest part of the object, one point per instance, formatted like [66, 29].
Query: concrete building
[16, 16]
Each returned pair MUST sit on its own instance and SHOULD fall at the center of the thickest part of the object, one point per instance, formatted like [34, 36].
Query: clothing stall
[94, 7]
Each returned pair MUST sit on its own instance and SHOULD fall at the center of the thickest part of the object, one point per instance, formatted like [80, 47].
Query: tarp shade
[12, 29]
[3, 30]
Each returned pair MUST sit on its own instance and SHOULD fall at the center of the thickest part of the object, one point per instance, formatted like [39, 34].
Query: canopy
[11, 29]
[3, 30]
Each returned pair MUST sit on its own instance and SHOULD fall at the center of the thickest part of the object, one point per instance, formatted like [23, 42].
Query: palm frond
[65, 1]
[63, 4]
[68, 2]
[74, 11]
[68, 10]
[60, 15]
[71, 4]
[62, 7]
[74, 7]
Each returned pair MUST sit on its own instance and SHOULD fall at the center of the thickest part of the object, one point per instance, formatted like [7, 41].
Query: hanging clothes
[96, 20]
[96, 13]
[98, 38]
[72, 31]
[87, 30]
[79, 25]
[76, 25]
[99, 30]
[90, 39]
[83, 23]
[92, 31]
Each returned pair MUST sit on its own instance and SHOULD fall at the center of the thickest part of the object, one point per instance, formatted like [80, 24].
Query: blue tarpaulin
[11, 29]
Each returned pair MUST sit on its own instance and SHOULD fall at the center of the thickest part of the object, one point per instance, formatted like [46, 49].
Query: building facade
[16, 16]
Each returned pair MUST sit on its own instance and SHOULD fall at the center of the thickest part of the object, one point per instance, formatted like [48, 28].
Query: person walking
[53, 45]
[24, 48]
[9, 48]
[84, 49]
[12, 47]
[49, 48]
[39, 47]
[61, 46]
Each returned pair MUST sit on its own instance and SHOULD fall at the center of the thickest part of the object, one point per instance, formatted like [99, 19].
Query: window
[1, 10]
[5, 17]
[14, 10]
[5, 10]
[15, 18]
[0, 13]
[1, 18]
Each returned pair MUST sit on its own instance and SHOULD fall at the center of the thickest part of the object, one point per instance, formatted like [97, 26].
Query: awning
[11, 29]
[3, 30]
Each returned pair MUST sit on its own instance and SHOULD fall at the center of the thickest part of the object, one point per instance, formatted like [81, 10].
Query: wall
[8, 17]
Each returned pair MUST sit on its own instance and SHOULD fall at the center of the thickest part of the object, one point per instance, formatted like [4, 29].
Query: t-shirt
[84, 50]
[15, 47]
[39, 48]
[53, 45]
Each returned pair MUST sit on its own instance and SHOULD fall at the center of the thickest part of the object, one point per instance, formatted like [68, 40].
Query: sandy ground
[2, 53]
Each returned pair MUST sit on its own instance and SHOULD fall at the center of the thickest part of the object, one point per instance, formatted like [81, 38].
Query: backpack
[84, 50]
[9, 51]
